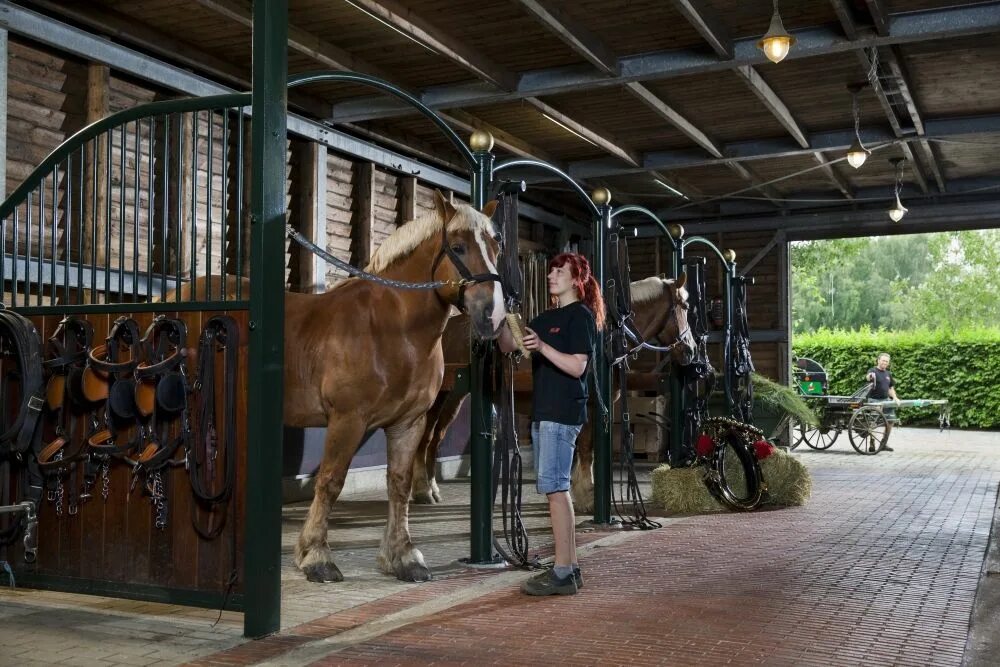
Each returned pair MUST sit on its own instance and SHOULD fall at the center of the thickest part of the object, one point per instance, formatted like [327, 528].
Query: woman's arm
[571, 364]
[506, 339]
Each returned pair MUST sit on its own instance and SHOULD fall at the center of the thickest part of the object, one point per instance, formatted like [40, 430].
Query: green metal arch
[632, 208]
[95, 129]
[701, 240]
[525, 162]
[318, 76]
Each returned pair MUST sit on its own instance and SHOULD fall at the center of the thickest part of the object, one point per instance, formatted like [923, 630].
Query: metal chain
[159, 501]
[354, 271]
[717, 423]
[105, 480]
[60, 491]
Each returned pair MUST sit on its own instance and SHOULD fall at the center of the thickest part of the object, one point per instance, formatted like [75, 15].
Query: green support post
[481, 398]
[676, 386]
[727, 350]
[602, 426]
[262, 528]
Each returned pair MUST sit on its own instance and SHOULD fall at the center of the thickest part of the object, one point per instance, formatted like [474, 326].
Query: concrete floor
[882, 566]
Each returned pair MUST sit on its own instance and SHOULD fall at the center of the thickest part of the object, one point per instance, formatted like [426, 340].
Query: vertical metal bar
[729, 269]
[239, 206]
[136, 205]
[262, 548]
[93, 227]
[55, 233]
[107, 222]
[150, 206]
[602, 366]
[13, 256]
[223, 238]
[676, 388]
[27, 251]
[192, 254]
[164, 267]
[122, 148]
[210, 153]
[41, 243]
[180, 208]
[3, 249]
[481, 401]
[80, 259]
[68, 228]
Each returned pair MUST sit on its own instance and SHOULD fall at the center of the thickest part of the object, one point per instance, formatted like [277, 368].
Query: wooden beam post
[408, 200]
[312, 216]
[364, 213]
[3, 114]
[96, 166]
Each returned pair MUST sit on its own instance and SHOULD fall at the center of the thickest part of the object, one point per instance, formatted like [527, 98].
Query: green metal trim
[481, 413]
[676, 386]
[631, 208]
[78, 139]
[262, 542]
[601, 424]
[528, 162]
[112, 308]
[701, 240]
[130, 591]
[319, 76]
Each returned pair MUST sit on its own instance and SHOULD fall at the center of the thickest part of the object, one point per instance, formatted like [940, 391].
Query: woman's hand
[532, 342]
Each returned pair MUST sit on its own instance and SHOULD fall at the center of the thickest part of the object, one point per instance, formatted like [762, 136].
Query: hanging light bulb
[776, 42]
[897, 212]
[857, 153]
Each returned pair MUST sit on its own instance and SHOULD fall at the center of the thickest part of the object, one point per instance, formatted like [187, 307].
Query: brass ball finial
[481, 141]
[676, 230]
[601, 196]
[730, 255]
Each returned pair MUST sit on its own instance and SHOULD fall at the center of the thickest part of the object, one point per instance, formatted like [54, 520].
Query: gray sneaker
[547, 583]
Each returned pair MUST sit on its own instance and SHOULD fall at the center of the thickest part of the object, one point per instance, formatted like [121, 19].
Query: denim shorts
[553, 444]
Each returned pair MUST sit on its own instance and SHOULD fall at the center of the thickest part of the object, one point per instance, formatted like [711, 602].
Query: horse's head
[469, 247]
[661, 311]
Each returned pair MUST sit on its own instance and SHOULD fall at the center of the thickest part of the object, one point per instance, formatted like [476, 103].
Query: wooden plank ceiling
[670, 92]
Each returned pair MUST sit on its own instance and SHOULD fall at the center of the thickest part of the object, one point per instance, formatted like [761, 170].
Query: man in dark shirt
[884, 388]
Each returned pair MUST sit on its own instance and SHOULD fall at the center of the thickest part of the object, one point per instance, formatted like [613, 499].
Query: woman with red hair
[562, 341]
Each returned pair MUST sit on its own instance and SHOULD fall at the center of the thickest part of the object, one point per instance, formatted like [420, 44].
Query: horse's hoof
[423, 498]
[436, 495]
[417, 572]
[322, 572]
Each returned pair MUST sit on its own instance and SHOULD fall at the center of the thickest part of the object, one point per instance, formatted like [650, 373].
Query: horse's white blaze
[497, 314]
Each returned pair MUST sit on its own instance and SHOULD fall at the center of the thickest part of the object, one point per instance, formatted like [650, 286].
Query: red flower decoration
[763, 449]
[704, 445]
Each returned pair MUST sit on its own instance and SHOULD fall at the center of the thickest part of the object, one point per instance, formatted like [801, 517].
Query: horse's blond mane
[408, 236]
[652, 288]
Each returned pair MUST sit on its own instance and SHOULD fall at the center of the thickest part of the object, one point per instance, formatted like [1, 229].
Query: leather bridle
[467, 276]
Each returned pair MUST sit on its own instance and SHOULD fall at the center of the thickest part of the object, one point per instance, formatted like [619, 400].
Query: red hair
[587, 289]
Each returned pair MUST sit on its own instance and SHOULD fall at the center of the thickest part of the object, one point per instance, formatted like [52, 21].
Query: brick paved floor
[881, 567]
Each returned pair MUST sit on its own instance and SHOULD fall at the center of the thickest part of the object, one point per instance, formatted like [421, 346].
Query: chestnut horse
[364, 356]
[659, 305]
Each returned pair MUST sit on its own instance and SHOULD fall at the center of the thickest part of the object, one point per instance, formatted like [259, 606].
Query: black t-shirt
[883, 380]
[559, 397]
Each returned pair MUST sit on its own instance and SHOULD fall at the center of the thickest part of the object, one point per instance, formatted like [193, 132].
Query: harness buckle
[36, 403]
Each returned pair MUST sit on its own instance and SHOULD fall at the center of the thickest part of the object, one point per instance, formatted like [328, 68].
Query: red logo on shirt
[554, 330]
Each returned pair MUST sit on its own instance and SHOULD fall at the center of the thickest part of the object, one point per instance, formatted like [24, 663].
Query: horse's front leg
[312, 552]
[582, 481]
[396, 554]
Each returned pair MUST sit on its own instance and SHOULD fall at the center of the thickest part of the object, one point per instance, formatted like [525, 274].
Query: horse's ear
[443, 206]
[679, 283]
[490, 208]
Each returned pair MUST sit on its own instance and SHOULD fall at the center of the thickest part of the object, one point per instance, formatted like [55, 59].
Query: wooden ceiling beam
[299, 40]
[599, 139]
[845, 14]
[708, 26]
[503, 139]
[894, 59]
[577, 37]
[880, 16]
[420, 30]
[783, 115]
[868, 63]
[906, 28]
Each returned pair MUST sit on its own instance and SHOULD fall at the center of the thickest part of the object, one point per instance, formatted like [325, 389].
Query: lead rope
[628, 502]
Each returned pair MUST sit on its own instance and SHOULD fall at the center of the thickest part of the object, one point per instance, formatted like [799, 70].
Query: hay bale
[683, 490]
[788, 480]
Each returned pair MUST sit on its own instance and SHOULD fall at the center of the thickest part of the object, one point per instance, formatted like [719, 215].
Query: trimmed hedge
[961, 366]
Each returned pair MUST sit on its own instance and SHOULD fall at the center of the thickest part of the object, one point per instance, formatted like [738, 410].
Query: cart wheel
[796, 436]
[819, 437]
[867, 430]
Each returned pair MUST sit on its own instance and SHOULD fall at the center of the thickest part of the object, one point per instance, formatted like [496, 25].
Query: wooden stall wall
[113, 542]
